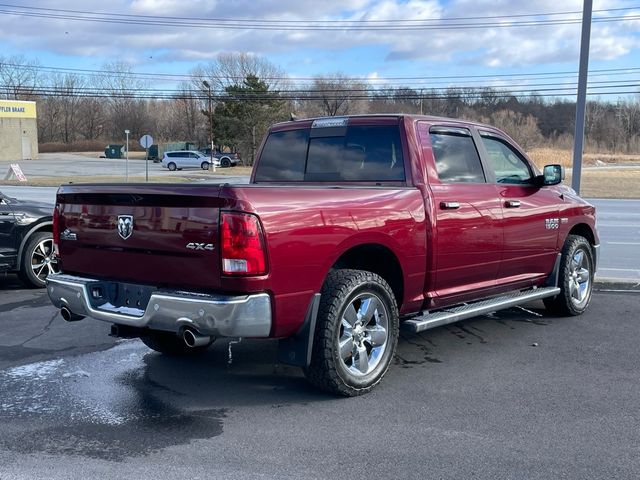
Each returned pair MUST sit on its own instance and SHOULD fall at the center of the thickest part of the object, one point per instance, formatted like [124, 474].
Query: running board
[473, 309]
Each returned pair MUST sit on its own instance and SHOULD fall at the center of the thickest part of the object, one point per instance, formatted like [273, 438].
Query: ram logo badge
[125, 226]
[200, 246]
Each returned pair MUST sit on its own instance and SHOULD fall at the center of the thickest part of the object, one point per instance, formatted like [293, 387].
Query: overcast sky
[373, 54]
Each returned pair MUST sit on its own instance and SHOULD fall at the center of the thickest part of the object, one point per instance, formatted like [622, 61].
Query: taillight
[56, 229]
[242, 244]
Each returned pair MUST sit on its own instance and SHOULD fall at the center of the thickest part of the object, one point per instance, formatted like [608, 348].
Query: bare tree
[68, 88]
[336, 94]
[233, 68]
[523, 128]
[121, 91]
[18, 78]
[91, 122]
[245, 93]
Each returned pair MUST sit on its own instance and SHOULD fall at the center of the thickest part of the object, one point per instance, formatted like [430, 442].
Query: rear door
[530, 213]
[468, 239]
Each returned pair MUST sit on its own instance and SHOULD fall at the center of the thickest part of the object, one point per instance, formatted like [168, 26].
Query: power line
[311, 95]
[357, 25]
[352, 21]
[486, 89]
[189, 77]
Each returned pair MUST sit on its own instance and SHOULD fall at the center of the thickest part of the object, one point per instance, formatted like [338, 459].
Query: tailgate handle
[449, 205]
[512, 203]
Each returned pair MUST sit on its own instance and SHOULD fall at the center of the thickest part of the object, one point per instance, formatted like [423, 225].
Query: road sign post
[126, 162]
[145, 142]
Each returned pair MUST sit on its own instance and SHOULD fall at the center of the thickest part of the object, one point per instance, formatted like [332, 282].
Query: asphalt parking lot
[473, 400]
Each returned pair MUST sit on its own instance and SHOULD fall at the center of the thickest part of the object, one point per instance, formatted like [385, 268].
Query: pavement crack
[46, 328]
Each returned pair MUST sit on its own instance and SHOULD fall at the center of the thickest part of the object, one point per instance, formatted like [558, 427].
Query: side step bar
[451, 315]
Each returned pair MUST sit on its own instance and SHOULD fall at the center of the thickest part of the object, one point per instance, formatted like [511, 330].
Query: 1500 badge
[200, 246]
[551, 223]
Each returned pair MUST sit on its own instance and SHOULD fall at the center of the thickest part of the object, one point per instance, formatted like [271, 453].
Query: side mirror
[551, 175]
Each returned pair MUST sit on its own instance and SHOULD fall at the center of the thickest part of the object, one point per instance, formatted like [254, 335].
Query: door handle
[512, 203]
[449, 205]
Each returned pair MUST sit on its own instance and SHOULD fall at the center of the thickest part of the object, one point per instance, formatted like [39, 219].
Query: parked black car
[26, 240]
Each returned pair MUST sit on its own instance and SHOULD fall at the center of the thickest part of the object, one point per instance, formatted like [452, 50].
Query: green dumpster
[113, 151]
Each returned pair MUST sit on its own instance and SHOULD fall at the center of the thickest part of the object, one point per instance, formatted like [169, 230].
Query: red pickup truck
[350, 228]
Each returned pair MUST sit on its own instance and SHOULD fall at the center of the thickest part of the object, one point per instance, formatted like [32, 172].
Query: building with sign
[18, 130]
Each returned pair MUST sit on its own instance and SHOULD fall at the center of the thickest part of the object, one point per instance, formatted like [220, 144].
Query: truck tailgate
[168, 234]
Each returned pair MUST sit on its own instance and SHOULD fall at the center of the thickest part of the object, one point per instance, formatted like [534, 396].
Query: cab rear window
[355, 153]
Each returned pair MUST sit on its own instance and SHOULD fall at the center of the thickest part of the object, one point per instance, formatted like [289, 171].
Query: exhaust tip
[193, 339]
[69, 316]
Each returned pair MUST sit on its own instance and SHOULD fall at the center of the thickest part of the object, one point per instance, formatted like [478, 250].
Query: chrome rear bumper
[171, 311]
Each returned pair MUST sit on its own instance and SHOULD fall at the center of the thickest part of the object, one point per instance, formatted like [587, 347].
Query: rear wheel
[575, 278]
[356, 333]
[38, 260]
[170, 344]
[204, 165]
[171, 166]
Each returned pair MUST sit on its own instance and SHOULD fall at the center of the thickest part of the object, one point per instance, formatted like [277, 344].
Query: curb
[604, 284]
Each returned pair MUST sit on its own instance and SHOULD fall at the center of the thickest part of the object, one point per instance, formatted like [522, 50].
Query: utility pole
[208, 87]
[126, 162]
[581, 102]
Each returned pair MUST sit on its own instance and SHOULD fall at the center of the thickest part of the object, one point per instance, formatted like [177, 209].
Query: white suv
[177, 160]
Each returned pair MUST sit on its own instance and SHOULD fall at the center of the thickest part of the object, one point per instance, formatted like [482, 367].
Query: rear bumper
[171, 311]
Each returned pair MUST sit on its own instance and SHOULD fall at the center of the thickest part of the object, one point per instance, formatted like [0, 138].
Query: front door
[530, 213]
[7, 225]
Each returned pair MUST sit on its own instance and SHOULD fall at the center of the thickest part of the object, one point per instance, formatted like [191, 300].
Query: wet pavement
[473, 400]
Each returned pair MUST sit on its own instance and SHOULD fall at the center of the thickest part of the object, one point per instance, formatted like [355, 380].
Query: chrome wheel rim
[43, 261]
[579, 277]
[364, 334]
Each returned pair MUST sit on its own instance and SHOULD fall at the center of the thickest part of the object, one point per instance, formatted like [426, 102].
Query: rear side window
[457, 160]
[283, 157]
[357, 153]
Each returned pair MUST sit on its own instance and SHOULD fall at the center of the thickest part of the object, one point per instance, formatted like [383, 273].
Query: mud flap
[552, 280]
[296, 350]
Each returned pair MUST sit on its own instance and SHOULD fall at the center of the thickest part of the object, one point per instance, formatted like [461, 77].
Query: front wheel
[38, 260]
[204, 165]
[356, 333]
[225, 163]
[575, 278]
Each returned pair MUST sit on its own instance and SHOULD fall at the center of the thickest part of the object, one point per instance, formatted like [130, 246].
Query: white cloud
[493, 47]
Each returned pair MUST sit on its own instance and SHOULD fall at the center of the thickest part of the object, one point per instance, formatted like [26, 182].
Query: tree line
[235, 98]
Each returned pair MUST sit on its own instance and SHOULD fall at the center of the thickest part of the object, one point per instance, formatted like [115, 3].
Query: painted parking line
[624, 225]
[620, 270]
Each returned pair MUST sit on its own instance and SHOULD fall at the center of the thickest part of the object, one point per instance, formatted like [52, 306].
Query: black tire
[171, 166]
[170, 344]
[328, 370]
[204, 165]
[225, 163]
[37, 260]
[575, 278]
